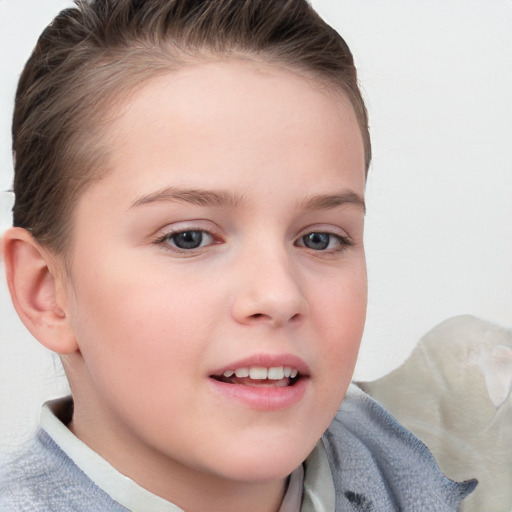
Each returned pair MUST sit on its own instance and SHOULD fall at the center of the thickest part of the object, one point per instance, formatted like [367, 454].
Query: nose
[269, 291]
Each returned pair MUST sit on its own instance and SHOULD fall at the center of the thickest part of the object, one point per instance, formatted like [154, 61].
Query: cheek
[341, 300]
[137, 325]
[142, 352]
[341, 313]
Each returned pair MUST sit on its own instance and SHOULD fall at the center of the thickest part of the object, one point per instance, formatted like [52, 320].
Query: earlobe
[37, 291]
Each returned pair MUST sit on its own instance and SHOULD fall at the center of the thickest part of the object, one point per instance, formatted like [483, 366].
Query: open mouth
[259, 376]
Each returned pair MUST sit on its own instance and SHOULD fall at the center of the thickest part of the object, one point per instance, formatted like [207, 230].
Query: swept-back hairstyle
[91, 54]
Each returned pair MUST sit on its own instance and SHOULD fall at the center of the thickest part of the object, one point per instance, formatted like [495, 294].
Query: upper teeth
[260, 373]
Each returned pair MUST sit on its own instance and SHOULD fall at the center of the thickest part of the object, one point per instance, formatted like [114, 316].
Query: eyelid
[325, 228]
[188, 225]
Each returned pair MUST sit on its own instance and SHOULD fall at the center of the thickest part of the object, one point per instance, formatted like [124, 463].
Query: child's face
[227, 235]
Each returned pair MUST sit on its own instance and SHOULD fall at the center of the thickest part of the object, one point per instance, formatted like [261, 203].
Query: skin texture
[143, 325]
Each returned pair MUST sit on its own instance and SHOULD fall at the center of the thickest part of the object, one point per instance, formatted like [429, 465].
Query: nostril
[275, 320]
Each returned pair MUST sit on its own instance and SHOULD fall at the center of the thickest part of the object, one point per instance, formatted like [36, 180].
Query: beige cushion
[454, 394]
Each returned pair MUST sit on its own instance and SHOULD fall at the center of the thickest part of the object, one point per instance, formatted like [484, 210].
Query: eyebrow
[329, 201]
[208, 198]
[226, 199]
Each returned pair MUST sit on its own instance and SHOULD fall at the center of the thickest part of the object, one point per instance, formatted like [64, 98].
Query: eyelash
[343, 241]
[164, 241]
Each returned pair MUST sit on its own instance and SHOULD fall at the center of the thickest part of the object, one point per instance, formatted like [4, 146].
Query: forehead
[233, 120]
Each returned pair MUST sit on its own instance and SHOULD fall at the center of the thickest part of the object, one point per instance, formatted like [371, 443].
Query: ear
[37, 288]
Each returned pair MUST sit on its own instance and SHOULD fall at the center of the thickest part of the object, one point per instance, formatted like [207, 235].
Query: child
[189, 181]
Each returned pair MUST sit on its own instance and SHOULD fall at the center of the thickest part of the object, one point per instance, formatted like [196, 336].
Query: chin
[263, 464]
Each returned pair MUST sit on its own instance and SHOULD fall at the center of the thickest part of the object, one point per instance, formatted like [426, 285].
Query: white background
[437, 77]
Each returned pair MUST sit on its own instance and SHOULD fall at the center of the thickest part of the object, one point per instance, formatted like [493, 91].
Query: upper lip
[266, 361]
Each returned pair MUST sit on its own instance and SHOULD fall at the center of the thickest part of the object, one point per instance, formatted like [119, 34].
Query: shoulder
[378, 465]
[44, 478]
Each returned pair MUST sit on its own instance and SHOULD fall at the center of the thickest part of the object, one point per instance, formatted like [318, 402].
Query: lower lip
[264, 398]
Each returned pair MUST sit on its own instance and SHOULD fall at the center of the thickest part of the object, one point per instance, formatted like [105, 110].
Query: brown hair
[94, 51]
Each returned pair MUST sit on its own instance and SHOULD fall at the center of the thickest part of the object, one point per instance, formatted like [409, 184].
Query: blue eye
[316, 241]
[189, 240]
[320, 241]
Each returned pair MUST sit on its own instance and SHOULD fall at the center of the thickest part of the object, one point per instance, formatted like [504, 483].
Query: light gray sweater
[376, 466]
